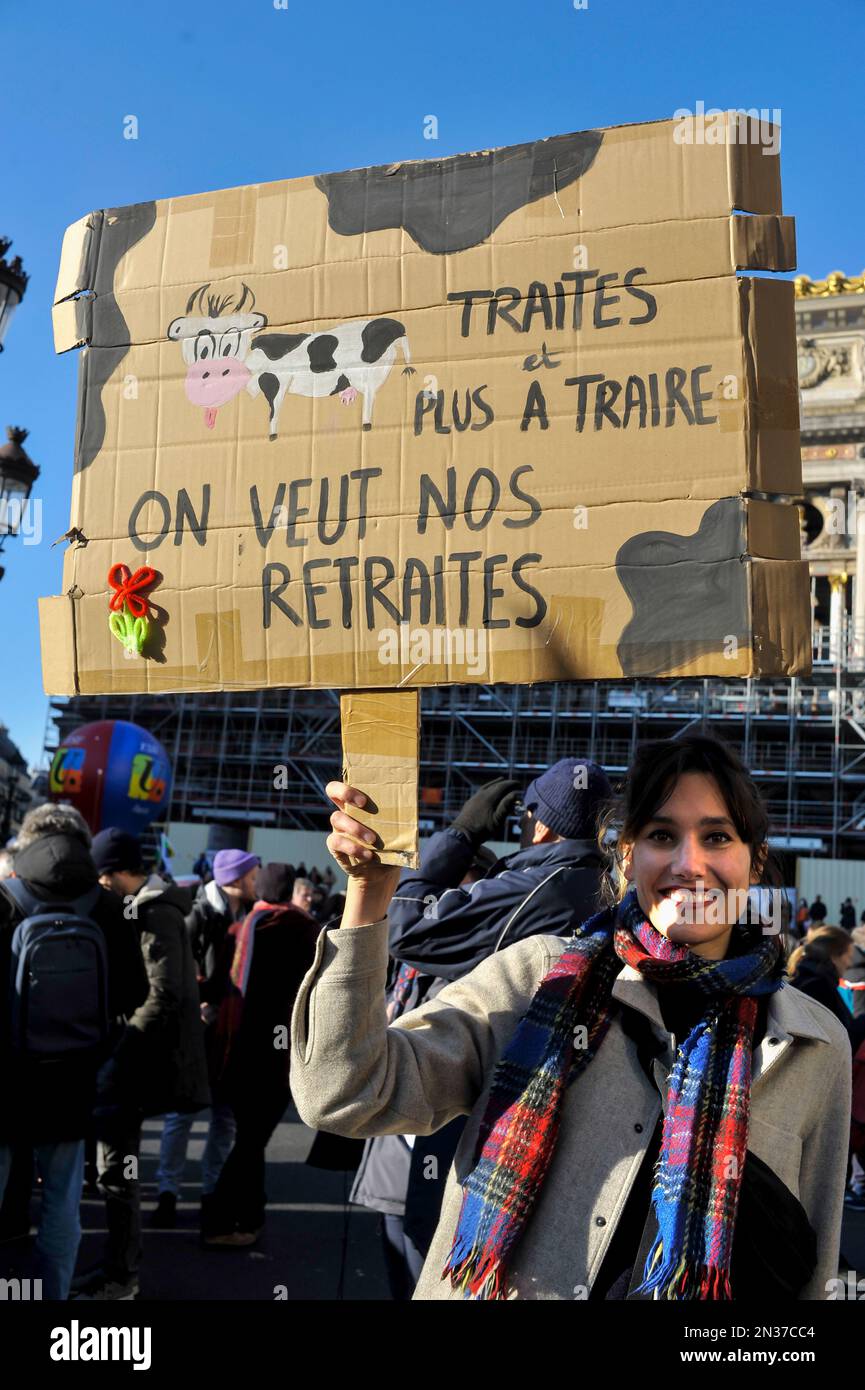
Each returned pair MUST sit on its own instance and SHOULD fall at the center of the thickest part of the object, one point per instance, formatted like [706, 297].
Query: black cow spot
[277, 345]
[448, 205]
[321, 350]
[342, 385]
[269, 387]
[120, 230]
[377, 337]
[688, 593]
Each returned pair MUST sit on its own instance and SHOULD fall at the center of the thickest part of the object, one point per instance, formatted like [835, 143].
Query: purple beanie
[231, 864]
[569, 796]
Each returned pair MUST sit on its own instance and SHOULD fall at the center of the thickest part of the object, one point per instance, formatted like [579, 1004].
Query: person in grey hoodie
[159, 1064]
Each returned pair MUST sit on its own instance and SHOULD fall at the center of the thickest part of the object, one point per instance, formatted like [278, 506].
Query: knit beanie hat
[115, 849]
[275, 882]
[568, 797]
[231, 864]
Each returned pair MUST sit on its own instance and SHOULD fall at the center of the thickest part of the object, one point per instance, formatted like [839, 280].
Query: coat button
[638, 1128]
[600, 1221]
[773, 1042]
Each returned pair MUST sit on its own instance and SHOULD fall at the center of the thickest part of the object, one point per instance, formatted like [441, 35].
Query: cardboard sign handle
[380, 740]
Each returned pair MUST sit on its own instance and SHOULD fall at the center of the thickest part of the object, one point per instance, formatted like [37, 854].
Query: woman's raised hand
[371, 884]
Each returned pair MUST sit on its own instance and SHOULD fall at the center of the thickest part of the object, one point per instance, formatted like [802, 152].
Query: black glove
[484, 815]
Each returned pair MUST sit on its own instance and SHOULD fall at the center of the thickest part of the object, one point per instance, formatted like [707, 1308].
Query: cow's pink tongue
[210, 416]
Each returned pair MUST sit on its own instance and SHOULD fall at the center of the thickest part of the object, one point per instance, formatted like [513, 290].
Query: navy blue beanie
[568, 797]
[116, 849]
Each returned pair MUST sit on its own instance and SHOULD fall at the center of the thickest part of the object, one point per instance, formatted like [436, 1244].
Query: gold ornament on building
[836, 283]
[816, 362]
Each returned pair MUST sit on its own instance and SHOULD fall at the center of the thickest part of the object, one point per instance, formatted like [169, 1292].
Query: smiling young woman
[653, 1111]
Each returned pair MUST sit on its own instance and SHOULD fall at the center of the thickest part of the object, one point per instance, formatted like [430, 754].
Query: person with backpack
[226, 899]
[159, 1064]
[61, 931]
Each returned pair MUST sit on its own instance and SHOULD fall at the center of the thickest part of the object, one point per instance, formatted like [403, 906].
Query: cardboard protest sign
[507, 416]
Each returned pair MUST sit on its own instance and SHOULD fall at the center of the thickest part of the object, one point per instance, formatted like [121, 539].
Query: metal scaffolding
[264, 757]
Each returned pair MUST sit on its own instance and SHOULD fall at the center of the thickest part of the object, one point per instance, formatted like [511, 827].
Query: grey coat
[354, 1075]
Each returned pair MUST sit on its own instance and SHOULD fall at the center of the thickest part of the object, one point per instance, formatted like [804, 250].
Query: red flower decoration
[127, 585]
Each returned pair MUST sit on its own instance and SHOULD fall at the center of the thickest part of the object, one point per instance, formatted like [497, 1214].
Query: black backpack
[58, 981]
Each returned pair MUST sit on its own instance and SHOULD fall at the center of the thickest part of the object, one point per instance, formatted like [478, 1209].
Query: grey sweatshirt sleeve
[354, 1075]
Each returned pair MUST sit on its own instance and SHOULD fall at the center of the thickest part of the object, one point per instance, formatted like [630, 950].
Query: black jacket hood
[816, 970]
[56, 867]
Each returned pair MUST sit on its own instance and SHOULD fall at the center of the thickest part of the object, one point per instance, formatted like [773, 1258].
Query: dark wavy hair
[651, 779]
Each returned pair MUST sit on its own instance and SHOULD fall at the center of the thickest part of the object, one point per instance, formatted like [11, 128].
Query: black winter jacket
[49, 1101]
[283, 951]
[819, 979]
[445, 930]
[159, 1064]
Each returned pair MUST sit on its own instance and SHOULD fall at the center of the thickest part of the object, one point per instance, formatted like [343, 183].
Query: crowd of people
[130, 1000]
[553, 1074]
[815, 914]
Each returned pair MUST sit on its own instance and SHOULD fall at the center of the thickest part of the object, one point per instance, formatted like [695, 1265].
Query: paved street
[311, 1234]
[309, 1225]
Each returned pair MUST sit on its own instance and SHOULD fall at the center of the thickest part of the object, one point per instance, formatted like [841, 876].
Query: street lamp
[13, 283]
[18, 473]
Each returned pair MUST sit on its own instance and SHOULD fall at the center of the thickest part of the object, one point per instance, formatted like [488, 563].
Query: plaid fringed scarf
[405, 978]
[705, 1130]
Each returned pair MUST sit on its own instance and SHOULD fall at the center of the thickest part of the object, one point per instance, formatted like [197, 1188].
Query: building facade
[16, 787]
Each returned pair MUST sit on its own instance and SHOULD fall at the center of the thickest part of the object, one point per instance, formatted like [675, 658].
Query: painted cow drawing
[225, 353]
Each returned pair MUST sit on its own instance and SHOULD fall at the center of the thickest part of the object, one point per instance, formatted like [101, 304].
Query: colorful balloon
[114, 772]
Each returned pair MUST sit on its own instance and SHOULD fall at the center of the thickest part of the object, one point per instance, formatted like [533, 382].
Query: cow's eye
[205, 346]
[229, 344]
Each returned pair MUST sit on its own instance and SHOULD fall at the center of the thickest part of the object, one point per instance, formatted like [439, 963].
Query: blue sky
[234, 93]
